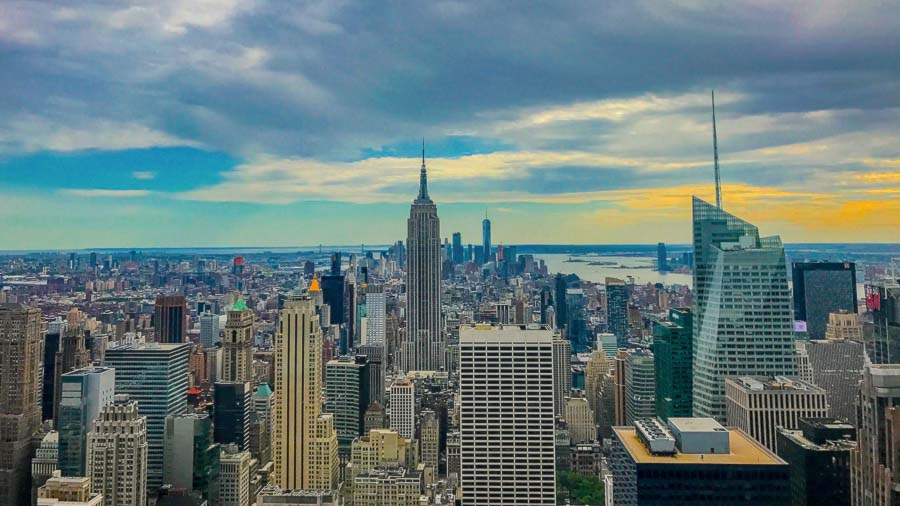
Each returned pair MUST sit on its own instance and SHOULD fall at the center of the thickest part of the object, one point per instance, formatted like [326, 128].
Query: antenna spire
[716, 153]
[423, 179]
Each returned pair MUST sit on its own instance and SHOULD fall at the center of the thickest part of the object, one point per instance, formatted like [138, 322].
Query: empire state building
[424, 347]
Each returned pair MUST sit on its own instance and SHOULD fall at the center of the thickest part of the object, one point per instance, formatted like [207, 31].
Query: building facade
[875, 463]
[117, 454]
[237, 364]
[84, 394]
[821, 288]
[674, 364]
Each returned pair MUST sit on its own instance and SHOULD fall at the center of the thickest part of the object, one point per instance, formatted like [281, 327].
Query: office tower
[757, 405]
[45, 461]
[387, 485]
[117, 454]
[424, 347]
[20, 397]
[836, 368]
[673, 356]
[742, 323]
[819, 458]
[197, 367]
[48, 382]
[402, 405]
[72, 355]
[619, 386]
[617, 310]
[192, 458]
[507, 432]
[374, 417]
[68, 491]
[375, 312]
[487, 256]
[382, 447]
[609, 343]
[237, 365]
[559, 299]
[457, 248]
[693, 461]
[209, 330]
[580, 420]
[662, 261]
[347, 396]
[232, 405]
[234, 477]
[640, 385]
[875, 463]
[377, 368]
[237, 266]
[599, 389]
[430, 439]
[576, 323]
[333, 296]
[155, 375]
[170, 319]
[562, 374]
[821, 288]
[883, 300]
[304, 442]
[264, 408]
[843, 326]
[84, 393]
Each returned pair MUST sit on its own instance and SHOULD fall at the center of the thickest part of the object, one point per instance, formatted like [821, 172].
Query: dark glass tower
[673, 361]
[821, 288]
[486, 239]
[232, 405]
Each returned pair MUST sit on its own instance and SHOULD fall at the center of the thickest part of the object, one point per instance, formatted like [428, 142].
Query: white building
[507, 415]
[234, 477]
[117, 454]
[403, 408]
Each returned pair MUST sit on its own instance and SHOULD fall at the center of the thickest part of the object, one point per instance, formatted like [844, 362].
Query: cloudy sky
[253, 122]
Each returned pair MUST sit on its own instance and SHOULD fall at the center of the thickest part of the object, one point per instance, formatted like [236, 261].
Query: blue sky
[227, 122]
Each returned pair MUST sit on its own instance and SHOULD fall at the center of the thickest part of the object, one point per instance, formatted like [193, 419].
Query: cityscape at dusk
[449, 253]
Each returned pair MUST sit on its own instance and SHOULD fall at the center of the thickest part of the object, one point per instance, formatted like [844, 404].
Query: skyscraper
[209, 330]
[836, 367]
[883, 300]
[304, 442]
[640, 385]
[562, 374]
[20, 397]
[347, 396]
[403, 407]
[617, 310]
[117, 454]
[170, 319]
[486, 239]
[430, 438]
[424, 349]
[232, 405]
[662, 260]
[743, 320]
[155, 375]
[875, 463]
[72, 355]
[673, 356]
[375, 315]
[51, 346]
[457, 248]
[237, 365]
[507, 432]
[84, 393]
[821, 288]
[192, 458]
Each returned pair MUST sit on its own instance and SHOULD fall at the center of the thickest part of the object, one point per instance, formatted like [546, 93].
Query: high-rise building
[617, 310]
[51, 347]
[72, 355]
[430, 439]
[424, 348]
[883, 300]
[209, 330]
[821, 288]
[837, 367]
[20, 397]
[304, 442]
[562, 374]
[333, 295]
[402, 405]
[117, 454]
[170, 319]
[486, 253]
[347, 396]
[234, 477]
[155, 375]
[692, 461]
[375, 314]
[640, 385]
[374, 417]
[377, 368]
[743, 321]
[237, 365]
[843, 326]
[232, 406]
[758, 405]
[84, 393]
[662, 260]
[673, 356]
[599, 389]
[67, 491]
[192, 458]
[875, 463]
[45, 461]
[619, 387]
[507, 432]
[580, 420]
[609, 343]
[819, 458]
[457, 248]
[261, 424]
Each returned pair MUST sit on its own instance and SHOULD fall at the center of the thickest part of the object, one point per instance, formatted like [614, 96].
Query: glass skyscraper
[743, 323]
[821, 288]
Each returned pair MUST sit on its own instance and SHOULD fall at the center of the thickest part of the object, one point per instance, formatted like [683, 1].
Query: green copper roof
[263, 390]
[240, 305]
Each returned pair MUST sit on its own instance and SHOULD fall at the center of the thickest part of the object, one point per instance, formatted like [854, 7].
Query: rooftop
[770, 383]
[696, 425]
[744, 451]
[480, 333]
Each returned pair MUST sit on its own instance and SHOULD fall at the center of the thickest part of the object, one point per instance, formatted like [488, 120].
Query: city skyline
[203, 127]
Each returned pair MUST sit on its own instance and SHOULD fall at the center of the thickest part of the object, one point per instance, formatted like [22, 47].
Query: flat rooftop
[696, 425]
[744, 451]
[476, 333]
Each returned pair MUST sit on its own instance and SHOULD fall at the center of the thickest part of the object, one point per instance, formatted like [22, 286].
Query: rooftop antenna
[716, 153]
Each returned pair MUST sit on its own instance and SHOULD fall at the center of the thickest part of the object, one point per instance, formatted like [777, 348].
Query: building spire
[716, 153]
[423, 178]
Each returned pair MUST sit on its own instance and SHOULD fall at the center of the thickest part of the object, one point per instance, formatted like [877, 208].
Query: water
[641, 268]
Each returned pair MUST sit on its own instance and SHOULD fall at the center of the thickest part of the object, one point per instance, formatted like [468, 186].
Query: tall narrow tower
[486, 238]
[238, 344]
[424, 349]
[716, 154]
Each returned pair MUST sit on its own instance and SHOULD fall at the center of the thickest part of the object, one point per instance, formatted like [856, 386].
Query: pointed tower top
[314, 284]
[716, 153]
[423, 180]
